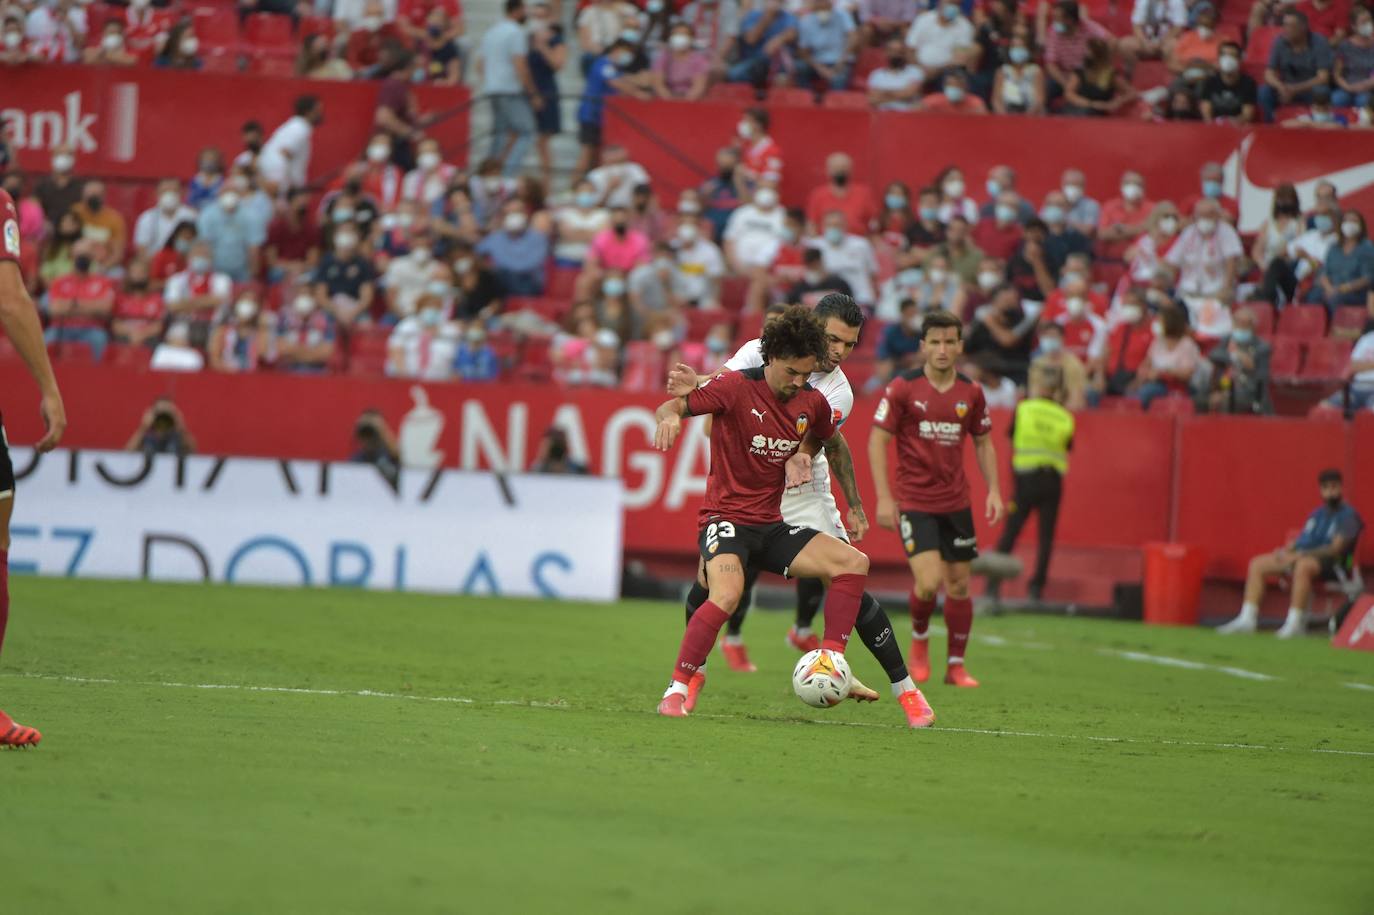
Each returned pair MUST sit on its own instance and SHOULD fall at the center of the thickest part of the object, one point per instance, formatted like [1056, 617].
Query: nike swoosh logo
[1257, 202]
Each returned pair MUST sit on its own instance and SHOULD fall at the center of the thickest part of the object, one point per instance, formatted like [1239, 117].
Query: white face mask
[63, 163]
[954, 189]
[1075, 307]
[664, 339]
[245, 309]
[1157, 328]
[1131, 314]
[229, 201]
[514, 223]
[1168, 225]
[1366, 29]
[378, 152]
[937, 276]
[766, 198]
[1072, 192]
[680, 42]
[112, 42]
[1206, 226]
[745, 129]
[345, 241]
[1132, 191]
[1350, 229]
[169, 200]
[189, 46]
[989, 280]
[421, 255]
[687, 232]
[463, 264]
[303, 304]
[429, 161]
[1228, 63]
[13, 39]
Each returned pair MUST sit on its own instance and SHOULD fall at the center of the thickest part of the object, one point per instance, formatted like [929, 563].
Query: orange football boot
[737, 657]
[803, 644]
[673, 705]
[694, 688]
[919, 714]
[860, 693]
[956, 675]
[919, 664]
[16, 735]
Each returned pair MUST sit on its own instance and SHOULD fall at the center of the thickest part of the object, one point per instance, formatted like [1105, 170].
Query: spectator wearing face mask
[407, 277]
[753, 237]
[306, 335]
[899, 348]
[205, 184]
[171, 260]
[577, 224]
[1019, 83]
[138, 311]
[475, 359]
[927, 230]
[1001, 181]
[1084, 333]
[56, 31]
[284, 163]
[1349, 266]
[897, 86]
[1147, 254]
[79, 304]
[1319, 114]
[344, 284]
[60, 190]
[1198, 47]
[1229, 95]
[101, 225]
[430, 179]
[349, 205]
[14, 49]
[1066, 44]
[816, 279]
[760, 158]
[1211, 187]
[233, 234]
[999, 233]
[423, 345]
[954, 196]
[1066, 374]
[180, 50]
[1002, 335]
[615, 180]
[1354, 63]
[112, 51]
[1128, 345]
[1173, 361]
[1240, 379]
[1270, 249]
[477, 292]
[518, 253]
[1083, 211]
[1076, 276]
[940, 287]
[840, 193]
[1299, 61]
[722, 193]
[619, 247]
[199, 292]
[1207, 257]
[371, 30]
[1124, 218]
[942, 39]
[680, 71]
[848, 256]
[241, 337]
[599, 25]
[992, 274]
[155, 225]
[175, 353]
[825, 48]
[610, 75]
[962, 255]
[955, 97]
[698, 266]
[1308, 250]
[1155, 26]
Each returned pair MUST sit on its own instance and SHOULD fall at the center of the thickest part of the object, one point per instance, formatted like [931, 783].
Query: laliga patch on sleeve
[12, 237]
[881, 413]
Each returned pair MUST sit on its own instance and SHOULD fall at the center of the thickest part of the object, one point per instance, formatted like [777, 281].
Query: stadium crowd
[407, 265]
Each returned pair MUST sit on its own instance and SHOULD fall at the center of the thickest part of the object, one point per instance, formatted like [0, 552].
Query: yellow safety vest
[1041, 435]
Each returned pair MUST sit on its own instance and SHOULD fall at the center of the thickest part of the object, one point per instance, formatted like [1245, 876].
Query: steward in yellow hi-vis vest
[1041, 436]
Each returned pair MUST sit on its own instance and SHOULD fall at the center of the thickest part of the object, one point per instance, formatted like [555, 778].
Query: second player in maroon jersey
[930, 413]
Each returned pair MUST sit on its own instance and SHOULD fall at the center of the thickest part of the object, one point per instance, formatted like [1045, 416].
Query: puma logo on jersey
[919, 403]
[759, 415]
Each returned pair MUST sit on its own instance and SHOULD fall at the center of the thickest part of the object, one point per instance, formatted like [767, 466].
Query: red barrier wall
[1241, 483]
[888, 146]
[146, 123]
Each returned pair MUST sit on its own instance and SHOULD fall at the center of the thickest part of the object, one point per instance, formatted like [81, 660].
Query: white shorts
[816, 510]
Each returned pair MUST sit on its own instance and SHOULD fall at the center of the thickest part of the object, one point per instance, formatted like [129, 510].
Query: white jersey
[833, 385]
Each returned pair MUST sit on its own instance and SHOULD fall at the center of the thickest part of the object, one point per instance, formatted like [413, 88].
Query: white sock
[1249, 611]
[904, 685]
[955, 660]
[803, 631]
[734, 639]
[1294, 616]
[675, 687]
[920, 636]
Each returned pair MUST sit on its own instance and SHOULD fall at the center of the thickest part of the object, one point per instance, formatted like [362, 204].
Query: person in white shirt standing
[156, 224]
[753, 237]
[848, 256]
[284, 163]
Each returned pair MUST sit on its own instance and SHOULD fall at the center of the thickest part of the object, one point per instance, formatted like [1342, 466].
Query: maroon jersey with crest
[753, 435]
[9, 228]
[930, 427]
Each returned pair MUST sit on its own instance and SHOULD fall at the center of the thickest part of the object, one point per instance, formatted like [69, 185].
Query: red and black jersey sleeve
[716, 397]
[888, 416]
[9, 228]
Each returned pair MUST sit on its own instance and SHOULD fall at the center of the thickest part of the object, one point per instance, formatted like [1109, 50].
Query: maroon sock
[921, 609]
[4, 594]
[958, 620]
[842, 601]
[698, 640]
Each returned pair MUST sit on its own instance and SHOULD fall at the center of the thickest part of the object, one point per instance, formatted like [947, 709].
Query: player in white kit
[813, 505]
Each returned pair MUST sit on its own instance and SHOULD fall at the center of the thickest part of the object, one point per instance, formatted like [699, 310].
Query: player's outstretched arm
[669, 416]
[683, 379]
[877, 463]
[19, 319]
[987, 465]
[841, 461]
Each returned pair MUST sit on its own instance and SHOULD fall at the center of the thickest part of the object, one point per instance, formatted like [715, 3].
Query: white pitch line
[374, 694]
[1165, 661]
[1364, 686]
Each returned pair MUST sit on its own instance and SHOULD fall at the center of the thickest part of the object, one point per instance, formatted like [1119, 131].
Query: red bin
[1173, 583]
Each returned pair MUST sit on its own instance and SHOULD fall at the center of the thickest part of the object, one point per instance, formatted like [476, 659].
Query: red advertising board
[150, 124]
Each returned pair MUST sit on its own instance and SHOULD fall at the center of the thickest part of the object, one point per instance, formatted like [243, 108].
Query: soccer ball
[821, 678]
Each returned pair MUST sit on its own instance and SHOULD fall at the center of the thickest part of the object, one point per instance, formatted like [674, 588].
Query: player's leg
[1305, 571]
[875, 631]
[725, 584]
[810, 593]
[846, 570]
[921, 539]
[1260, 567]
[11, 734]
[732, 646]
[1048, 493]
[958, 548]
[815, 510]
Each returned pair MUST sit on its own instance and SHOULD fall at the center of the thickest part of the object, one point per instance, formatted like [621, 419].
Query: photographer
[375, 444]
[162, 431]
[553, 454]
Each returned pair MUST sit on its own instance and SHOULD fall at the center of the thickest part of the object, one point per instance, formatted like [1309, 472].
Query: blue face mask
[1242, 335]
[993, 188]
[613, 287]
[1019, 55]
[954, 93]
[894, 201]
[949, 12]
[586, 199]
[1323, 223]
[1211, 188]
[929, 214]
[1052, 214]
[1060, 28]
[834, 235]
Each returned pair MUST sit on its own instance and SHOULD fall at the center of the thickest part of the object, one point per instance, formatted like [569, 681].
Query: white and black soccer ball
[821, 678]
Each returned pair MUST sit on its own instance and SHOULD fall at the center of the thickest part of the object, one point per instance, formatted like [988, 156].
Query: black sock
[810, 593]
[695, 598]
[875, 631]
[732, 625]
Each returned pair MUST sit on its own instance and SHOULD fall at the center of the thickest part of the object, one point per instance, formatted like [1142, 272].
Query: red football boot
[956, 675]
[919, 664]
[16, 735]
[694, 688]
[673, 705]
[919, 714]
[737, 657]
[803, 644]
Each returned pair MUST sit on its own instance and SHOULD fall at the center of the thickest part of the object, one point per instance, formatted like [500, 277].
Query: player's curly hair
[794, 334]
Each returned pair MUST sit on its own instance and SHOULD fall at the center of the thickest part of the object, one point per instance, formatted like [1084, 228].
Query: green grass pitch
[430, 754]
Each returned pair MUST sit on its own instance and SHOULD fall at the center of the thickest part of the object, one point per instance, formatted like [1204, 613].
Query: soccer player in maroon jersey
[930, 412]
[19, 320]
[768, 423]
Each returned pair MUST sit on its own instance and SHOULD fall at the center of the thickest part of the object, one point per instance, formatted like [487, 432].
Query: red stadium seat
[1302, 321]
[1349, 321]
[1108, 273]
[1264, 317]
[870, 59]
[1286, 360]
[124, 355]
[644, 367]
[272, 65]
[1120, 404]
[733, 290]
[733, 92]
[791, 95]
[1151, 73]
[699, 322]
[1173, 405]
[220, 62]
[560, 284]
[216, 27]
[1257, 49]
[852, 100]
[552, 308]
[1326, 359]
[316, 25]
[268, 30]
[367, 351]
